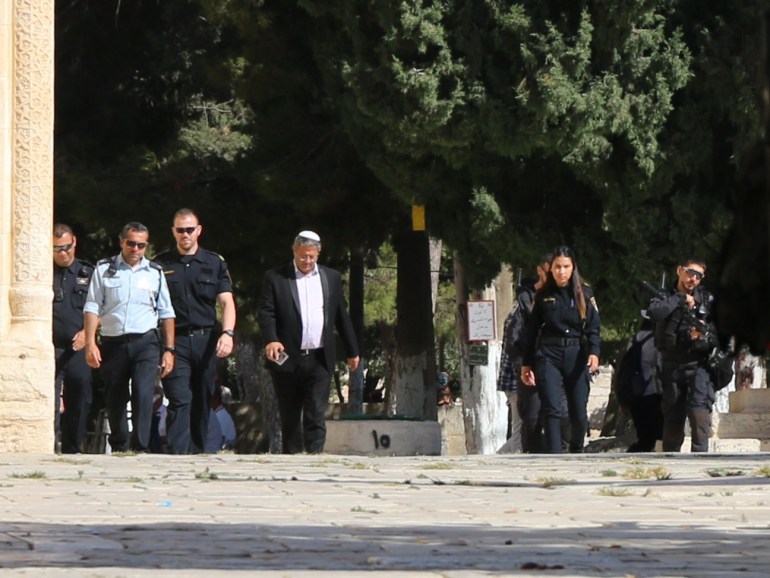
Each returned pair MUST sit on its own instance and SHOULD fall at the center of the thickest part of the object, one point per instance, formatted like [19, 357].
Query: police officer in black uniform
[198, 280]
[561, 347]
[685, 338]
[71, 277]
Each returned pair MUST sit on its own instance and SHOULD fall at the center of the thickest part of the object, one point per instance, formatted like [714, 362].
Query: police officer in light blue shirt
[128, 295]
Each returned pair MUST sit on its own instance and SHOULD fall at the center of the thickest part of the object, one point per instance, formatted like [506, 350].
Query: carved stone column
[26, 201]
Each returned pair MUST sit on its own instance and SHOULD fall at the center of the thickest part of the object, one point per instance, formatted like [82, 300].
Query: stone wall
[26, 200]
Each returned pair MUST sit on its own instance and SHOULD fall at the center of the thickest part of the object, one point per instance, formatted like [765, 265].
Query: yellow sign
[418, 217]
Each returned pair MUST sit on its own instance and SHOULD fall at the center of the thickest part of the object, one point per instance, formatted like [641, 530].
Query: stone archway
[26, 201]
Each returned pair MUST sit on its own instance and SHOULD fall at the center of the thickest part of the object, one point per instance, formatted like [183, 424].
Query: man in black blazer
[301, 305]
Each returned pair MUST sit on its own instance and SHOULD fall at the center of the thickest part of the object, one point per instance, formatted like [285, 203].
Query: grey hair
[300, 241]
[133, 226]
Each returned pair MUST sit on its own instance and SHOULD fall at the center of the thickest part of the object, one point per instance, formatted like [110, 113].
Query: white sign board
[481, 320]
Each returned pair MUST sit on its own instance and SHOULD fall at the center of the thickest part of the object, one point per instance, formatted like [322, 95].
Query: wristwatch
[169, 348]
[229, 332]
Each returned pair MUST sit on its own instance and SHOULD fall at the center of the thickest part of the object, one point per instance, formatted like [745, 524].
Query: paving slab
[632, 515]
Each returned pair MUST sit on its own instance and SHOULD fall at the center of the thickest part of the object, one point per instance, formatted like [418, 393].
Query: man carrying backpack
[637, 387]
[526, 425]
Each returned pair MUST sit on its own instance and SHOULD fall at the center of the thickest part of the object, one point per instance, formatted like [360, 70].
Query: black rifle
[717, 357]
[690, 315]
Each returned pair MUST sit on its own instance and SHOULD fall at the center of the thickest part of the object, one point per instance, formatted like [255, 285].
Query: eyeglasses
[63, 248]
[136, 244]
[183, 230]
[695, 273]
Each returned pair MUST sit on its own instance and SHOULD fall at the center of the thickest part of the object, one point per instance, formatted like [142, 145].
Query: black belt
[310, 351]
[560, 341]
[124, 338]
[190, 331]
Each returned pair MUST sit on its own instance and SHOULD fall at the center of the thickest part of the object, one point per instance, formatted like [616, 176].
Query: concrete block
[450, 418]
[377, 437]
[728, 446]
[740, 425]
[750, 401]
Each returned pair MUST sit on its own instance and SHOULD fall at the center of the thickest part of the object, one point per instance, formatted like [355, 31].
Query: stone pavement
[317, 516]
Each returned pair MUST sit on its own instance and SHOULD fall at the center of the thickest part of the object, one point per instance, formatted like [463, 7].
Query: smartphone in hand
[282, 357]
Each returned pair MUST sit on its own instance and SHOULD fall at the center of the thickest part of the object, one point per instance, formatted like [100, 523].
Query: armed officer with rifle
[685, 336]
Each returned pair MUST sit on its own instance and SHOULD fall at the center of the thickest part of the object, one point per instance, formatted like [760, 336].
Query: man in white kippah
[301, 305]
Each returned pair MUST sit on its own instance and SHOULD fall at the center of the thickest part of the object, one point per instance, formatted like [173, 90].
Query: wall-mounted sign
[481, 320]
[478, 353]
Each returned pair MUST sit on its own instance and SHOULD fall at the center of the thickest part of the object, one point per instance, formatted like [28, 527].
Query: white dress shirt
[311, 306]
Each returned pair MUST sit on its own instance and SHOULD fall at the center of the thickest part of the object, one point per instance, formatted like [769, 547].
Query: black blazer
[280, 319]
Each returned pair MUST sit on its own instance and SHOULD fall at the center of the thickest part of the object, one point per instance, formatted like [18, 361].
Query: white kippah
[310, 235]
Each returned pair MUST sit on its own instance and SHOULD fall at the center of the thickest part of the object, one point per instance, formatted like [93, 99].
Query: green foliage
[613, 127]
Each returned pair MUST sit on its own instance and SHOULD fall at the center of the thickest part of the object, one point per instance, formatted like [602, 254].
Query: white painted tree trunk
[485, 413]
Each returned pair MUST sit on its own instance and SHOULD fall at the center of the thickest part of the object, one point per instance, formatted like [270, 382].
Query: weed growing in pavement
[437, 466]
[723, 473]
[326, 462]
[763, 471]
[126, 454]
[36, 475]
[614, 492]
[76, 461]
[551, 482]
[609, 473]
[659, 473]
[206, 475]
[633, 461]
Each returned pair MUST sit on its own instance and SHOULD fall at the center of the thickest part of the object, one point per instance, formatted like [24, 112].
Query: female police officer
[561, 343]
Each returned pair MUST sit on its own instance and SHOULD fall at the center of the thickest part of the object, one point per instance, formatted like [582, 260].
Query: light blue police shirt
[131, 300]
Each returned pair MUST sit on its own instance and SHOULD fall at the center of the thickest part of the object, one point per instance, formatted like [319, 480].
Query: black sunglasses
[60, 248]
[136, 244]
[182, 230]
[694, 273]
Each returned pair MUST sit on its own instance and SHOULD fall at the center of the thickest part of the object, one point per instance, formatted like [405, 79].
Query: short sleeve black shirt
[70, 288]
[194, 281]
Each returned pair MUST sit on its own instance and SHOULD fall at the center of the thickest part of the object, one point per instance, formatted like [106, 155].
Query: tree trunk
[414, 391]
[484, 409]
[356, 380]
[256, 386]
[435, 246]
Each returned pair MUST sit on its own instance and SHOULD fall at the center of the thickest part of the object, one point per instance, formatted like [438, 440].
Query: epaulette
[217, 255]
[113, 265]
[84, 263]
[156, 266]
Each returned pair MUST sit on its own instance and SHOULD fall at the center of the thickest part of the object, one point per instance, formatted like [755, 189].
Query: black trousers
[133, 362]
[532, 420]
[303, 396]
[688, 394]
[528, 406]
[74, 383]
[189, 388]
[561, 372]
